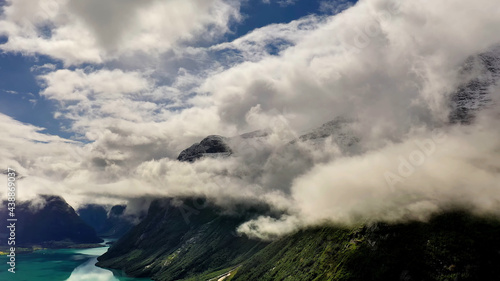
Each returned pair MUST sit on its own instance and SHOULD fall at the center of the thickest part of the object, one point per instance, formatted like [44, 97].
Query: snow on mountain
[479, 74]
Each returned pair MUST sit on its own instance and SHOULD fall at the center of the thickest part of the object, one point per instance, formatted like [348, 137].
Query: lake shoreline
[33, 248]
[68, 264]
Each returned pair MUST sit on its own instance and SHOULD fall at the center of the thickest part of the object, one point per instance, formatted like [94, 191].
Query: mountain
[478, 74]
[453, 245]
[183, 239]
[117, 222]
[209, 146]
[113, 223]
[49, 221]
[179, 240]
[93, 215]
[188, 240]
[339, 129]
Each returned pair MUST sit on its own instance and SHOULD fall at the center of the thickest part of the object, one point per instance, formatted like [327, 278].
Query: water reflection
[89, 272]
[63, 264]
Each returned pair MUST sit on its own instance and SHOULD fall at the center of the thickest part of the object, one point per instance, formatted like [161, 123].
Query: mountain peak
[212, 145]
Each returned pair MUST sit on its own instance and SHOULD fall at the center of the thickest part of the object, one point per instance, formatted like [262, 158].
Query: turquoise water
[61, 265]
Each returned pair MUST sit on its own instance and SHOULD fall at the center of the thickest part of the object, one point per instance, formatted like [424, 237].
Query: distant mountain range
[49, 221]
[111, 224]
[193, 239]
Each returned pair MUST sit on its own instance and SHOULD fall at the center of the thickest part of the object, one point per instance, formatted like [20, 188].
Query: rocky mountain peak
[479, 73]
[210, 146]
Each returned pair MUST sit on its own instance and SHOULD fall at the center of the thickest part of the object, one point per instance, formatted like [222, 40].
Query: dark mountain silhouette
[50, 222]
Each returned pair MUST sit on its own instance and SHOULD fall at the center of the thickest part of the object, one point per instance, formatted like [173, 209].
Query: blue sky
[19, 86]
[259, 13]
[20, 89]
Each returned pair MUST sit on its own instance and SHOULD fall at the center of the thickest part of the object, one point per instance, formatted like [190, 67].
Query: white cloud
[402, 68]
[266, 228]
[282, 3]
[79, 32]
[388, 65]
[69, 85]
[271, 39]
[31, 152]
[43, 68]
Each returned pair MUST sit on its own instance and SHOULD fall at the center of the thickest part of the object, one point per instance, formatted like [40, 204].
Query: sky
[20, 88]
[98, 98]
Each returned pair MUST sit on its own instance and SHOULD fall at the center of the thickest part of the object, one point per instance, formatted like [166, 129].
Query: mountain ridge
[452, 245]
[50, 222]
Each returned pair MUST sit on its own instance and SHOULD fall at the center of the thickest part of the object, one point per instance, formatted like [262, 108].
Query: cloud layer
[76, 31]
[161, 79]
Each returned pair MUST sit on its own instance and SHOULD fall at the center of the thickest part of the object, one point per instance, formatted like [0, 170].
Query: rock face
[451, 246]
[338, 129]
[192, 241]
[182, 239]
[113, 224]
[117, 222]
[211, 146]
[479, 74]
[93, 215]
[50, 222]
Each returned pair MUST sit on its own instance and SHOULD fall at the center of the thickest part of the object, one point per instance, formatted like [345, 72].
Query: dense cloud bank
[388, 69]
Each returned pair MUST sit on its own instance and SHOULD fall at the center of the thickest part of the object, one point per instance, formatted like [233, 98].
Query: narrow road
[224, 275]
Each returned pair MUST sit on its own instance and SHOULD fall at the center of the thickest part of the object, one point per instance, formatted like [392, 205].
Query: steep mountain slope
[451, 246]
[93, 215]
[178, 240]
[49, 222]
[113, 224]
[171, 244]
[479, 74]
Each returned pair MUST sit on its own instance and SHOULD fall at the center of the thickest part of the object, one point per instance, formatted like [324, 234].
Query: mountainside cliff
[49, 222]
[183, 242]
[182, 239]
[113, 223]
[451, 246]
[179, 240]
[478, 74]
